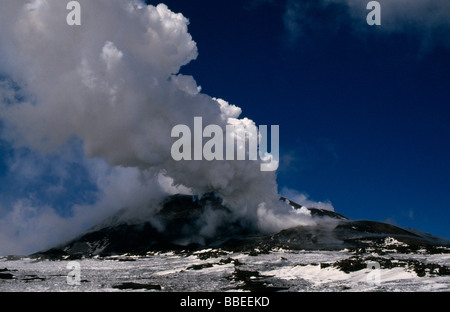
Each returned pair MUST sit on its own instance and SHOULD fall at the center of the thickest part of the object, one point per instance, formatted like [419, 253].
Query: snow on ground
[215, 270]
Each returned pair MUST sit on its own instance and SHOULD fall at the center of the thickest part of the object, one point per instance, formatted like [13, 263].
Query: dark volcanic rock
[200, 266]
[6, 276]
[253, 281]
[316, 212]
[182, 217]
[33, 277]
[357, 263]
[134, 286]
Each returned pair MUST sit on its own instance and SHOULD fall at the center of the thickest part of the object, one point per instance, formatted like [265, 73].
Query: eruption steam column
[114, 83]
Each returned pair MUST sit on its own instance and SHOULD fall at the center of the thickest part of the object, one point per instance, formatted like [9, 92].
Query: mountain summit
[181, 216]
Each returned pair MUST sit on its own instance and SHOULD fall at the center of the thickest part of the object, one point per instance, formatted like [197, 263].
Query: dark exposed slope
[182, 216]
[316, 212]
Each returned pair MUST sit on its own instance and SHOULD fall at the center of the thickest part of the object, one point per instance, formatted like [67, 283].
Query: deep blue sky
[364, 113]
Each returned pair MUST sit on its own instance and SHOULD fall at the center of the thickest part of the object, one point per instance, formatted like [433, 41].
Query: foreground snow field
[218, 270]
[336, 254]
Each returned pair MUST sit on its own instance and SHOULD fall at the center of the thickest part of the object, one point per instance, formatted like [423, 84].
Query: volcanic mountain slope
[182, 216]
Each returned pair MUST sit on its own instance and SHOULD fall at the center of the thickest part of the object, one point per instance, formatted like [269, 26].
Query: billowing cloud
[47, 199]
[113, 86]
[32, 218]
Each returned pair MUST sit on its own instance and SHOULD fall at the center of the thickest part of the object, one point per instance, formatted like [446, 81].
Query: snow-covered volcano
[335, 254]
[182, 219]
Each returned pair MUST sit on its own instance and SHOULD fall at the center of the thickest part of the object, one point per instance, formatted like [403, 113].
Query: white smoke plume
[113, 83]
